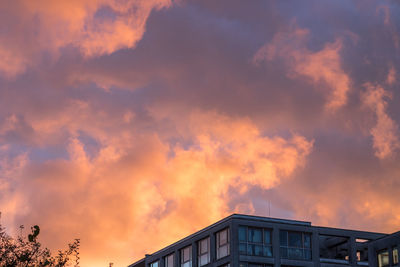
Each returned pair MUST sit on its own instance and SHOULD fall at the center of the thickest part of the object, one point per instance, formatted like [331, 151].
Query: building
[253, 241]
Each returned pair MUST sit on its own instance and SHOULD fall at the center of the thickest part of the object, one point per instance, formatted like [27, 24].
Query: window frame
[395, 259]
[382, 252]
[182, 254]
[220, 246]
[166, 260]
[266, 247]
[208, 252]
[286, 246]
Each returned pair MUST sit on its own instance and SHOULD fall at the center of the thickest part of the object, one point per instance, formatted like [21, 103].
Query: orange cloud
[136, 191]
[11, 63]
[205, 133]
[353, 203]
[323, 68]
[95, 27]
[385, 131]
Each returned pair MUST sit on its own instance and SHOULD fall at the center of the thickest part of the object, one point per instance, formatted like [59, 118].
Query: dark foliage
[28, 252]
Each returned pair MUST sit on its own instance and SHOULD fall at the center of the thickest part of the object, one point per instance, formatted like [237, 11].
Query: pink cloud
[385, 131]
[391, 76]
[322, 68]
[133, 184]
[186, 124]
[79, 24]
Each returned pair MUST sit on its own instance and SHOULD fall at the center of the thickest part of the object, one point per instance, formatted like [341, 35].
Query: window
[169, 260]
[204, 251]
[154, 264]
[223, 243]
[186, 257]
[395, 255]
[383, 258]
[255, 241]
[295, 245]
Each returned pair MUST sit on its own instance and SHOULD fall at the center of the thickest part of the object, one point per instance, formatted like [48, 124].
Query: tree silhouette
[28, 252]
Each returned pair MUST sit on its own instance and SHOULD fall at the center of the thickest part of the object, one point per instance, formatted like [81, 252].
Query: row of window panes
[255, 241]
[204, 251]
[295, 239]
[254, 235]
[255, 250]
[295, 253]
[383, 257]
[295, 245]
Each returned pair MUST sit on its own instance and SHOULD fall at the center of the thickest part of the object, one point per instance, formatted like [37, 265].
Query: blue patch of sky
[60, 152]
[105, 13]
[48, 153]
[326, 20]
[90, 145]
[14, 150]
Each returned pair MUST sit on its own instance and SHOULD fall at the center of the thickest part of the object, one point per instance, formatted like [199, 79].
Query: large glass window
[295, 245]
[204, 251]
[154, 264]
[255, 241]
[169, 260]
[186, 257]
[395, 255]
[383, 258]
[223, 243]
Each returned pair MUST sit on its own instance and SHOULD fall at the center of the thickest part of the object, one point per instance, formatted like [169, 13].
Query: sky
[132, 123]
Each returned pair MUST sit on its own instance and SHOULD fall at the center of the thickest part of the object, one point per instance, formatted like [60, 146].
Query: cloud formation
[120, 118]
[322, 68]
[137, 182]
[385, 131]
[95, 27]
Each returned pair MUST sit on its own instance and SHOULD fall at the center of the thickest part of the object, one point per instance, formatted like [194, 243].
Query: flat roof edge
[137, 262]
[354, 231]
[194, 234]
[235, 216]
[270, 219]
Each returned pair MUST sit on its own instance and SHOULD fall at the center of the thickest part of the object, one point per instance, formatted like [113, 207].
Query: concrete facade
[253, 241]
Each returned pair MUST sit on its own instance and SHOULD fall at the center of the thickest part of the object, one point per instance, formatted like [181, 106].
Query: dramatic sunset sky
[132, 123]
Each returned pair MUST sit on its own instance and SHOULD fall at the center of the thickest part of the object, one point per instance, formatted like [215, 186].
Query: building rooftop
[237, 216]
[311, 245]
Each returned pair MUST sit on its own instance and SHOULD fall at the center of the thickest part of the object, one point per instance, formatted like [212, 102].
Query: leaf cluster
[28, 252]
